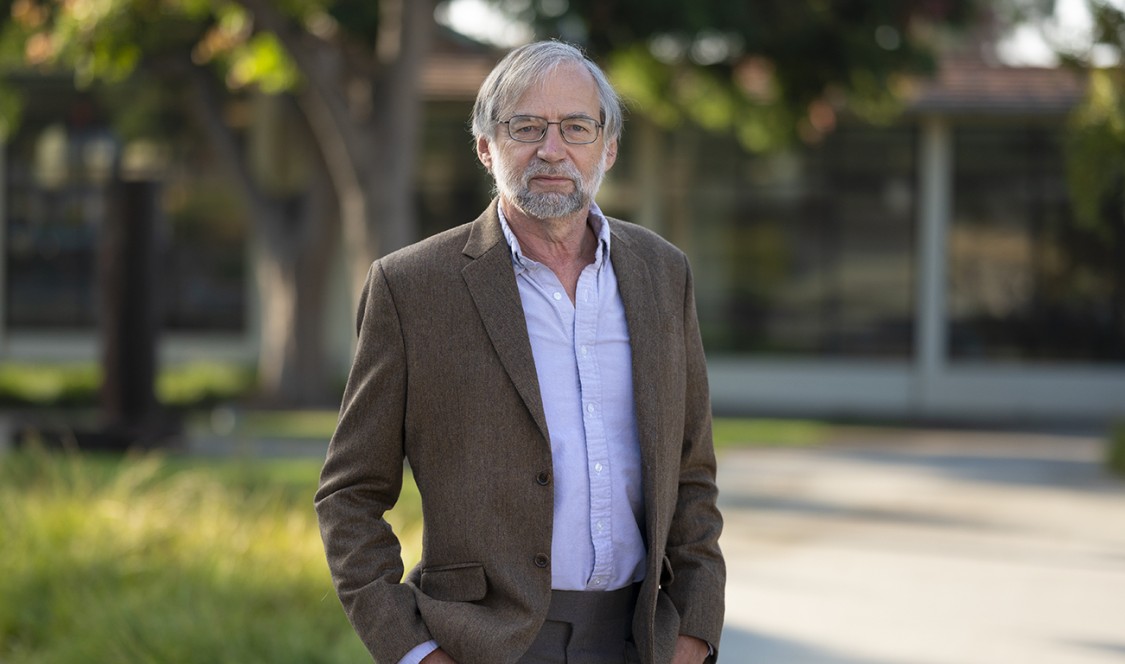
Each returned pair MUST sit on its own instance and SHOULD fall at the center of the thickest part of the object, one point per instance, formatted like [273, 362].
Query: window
[1026, 282]
[814, 254]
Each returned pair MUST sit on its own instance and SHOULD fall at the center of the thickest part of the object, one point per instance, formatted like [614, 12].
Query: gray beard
[548, 205]
[551, 205]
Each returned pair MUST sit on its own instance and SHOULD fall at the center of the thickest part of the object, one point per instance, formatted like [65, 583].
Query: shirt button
[589, 408]
[542, 560]
[558, 295]
[585, 351]
[598, 467]
[601, 526]
[597, 582]
[543, 478]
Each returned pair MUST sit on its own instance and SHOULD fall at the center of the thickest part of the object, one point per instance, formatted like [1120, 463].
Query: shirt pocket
[463, 582]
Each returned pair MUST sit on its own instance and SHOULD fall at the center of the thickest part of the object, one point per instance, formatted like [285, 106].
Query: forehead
[568, 89]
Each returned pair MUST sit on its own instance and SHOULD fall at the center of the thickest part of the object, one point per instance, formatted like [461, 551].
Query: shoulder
[646, 243]
[437, 251]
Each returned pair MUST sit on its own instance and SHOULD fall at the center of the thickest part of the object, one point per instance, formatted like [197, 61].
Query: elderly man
[541, 370]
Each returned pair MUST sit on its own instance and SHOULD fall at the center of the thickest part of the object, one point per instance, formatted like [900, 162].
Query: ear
[484, 153]
[610, 154]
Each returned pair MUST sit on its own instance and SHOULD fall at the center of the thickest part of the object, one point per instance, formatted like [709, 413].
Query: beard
[516, 188]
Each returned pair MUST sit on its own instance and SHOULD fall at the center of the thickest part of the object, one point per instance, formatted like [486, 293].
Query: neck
[565, 245]
[557, 242]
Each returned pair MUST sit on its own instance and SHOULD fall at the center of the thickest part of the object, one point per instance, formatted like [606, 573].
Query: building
[928, 269]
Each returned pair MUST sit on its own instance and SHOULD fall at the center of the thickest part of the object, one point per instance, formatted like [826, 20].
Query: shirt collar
[597, 222]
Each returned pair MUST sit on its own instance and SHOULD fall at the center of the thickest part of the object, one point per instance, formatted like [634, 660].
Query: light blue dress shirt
[584, 362]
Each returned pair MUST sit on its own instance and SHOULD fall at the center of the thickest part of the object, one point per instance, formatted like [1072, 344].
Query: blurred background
[906, 213]
[895, 210]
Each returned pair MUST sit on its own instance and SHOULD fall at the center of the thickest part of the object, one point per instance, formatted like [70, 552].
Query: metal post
[128, 318]
[935, 184]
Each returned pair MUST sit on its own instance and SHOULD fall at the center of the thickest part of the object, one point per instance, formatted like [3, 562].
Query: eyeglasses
[531, 129]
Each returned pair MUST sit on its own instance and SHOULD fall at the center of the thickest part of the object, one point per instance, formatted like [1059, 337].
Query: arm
[361, 480]
[693, 541]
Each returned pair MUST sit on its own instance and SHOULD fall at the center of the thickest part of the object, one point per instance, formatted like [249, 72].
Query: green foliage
[77, 384]
[766, 72]
[1115, 451]
[146, 560]
[739, 432]
[11, 110]
[1096, 150]
[203, 383]
[43, 384]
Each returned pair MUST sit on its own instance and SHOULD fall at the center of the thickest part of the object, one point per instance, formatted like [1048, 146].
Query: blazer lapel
[642, 314]
[492, 284]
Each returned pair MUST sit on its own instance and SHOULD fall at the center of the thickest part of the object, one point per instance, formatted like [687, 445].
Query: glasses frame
[598, 126]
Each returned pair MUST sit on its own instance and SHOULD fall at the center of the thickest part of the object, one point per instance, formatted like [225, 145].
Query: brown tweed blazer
[444, 377]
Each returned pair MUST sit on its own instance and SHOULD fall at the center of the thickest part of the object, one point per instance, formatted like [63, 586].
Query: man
[541, 370]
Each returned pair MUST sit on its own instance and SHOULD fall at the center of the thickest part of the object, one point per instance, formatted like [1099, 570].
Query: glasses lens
[579, 130]
[527, 128]
[532, 129]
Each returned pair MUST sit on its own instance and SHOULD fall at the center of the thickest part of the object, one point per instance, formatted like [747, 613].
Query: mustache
[543, 168]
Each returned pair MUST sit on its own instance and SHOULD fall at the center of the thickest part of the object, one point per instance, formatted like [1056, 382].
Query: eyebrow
[570, 116]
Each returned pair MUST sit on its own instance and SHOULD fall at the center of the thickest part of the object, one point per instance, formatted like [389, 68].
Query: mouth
[552, 180]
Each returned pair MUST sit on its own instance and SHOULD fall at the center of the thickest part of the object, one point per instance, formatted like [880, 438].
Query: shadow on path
[740, 646]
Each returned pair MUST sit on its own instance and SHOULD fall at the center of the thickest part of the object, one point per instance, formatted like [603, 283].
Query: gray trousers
[587, 628]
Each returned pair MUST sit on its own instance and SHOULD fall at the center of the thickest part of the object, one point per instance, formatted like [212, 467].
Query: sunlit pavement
[924, 547]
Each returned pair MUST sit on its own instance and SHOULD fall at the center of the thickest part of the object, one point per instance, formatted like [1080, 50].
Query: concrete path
[924, 547]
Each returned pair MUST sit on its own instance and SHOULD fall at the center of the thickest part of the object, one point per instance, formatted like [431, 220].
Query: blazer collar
[491, 281]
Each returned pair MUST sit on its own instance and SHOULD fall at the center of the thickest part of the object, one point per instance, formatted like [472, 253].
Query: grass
[146, 559]
[744, 432]
[268, 425]
[319, 424]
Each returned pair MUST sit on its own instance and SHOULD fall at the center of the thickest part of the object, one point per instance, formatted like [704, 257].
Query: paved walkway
[924, 547]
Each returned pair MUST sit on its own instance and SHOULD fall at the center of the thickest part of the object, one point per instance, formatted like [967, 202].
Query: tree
[1096, 147]
[352, 66]
[769, 71]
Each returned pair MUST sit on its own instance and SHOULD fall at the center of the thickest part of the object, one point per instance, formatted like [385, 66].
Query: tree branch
[209, 111]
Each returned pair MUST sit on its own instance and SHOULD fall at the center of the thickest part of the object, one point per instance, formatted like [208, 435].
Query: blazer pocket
[463, 582]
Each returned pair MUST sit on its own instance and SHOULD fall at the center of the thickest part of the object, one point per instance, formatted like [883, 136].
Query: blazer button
[544, 478]
[542, 560]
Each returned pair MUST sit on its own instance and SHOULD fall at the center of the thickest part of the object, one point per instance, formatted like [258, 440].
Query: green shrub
[190, 384]
[49, 384]
[200, 383]
[140, 559]
[1115, 454]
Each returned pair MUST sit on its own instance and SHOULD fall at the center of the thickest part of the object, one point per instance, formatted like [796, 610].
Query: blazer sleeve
[362, 479]
[693, 540]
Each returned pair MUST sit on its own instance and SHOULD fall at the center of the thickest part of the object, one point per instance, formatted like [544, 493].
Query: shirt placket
[597, 451]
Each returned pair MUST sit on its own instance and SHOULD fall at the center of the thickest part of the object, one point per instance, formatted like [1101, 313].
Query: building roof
[456, 66]
[969, 85]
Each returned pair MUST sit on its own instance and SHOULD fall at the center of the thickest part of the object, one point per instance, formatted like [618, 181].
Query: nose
[552, 147]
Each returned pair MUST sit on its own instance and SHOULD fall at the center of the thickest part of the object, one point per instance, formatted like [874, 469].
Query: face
[550, 179]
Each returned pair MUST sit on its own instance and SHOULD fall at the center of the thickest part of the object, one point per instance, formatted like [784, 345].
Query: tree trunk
[289, 198]
[370, 149]
[298, 232]
[292, 276]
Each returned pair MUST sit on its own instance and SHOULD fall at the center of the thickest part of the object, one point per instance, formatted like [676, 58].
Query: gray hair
[524, 67]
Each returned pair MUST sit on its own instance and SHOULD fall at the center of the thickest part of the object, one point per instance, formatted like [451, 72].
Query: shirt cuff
[419, 652]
